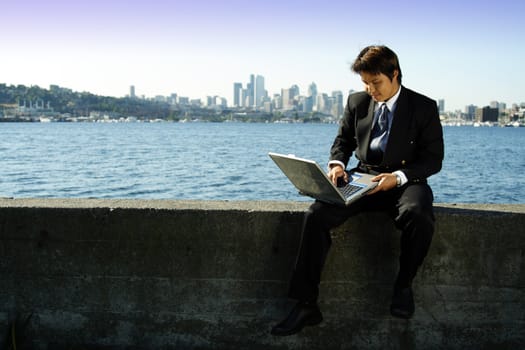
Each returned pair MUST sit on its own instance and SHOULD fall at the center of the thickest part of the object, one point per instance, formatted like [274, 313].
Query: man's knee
[417, 215]
[324, 216]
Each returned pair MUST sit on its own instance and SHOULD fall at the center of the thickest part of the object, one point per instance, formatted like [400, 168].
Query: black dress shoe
[402, 303]
[301, 315]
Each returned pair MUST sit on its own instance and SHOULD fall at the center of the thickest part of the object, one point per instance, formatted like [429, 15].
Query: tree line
[63, 100]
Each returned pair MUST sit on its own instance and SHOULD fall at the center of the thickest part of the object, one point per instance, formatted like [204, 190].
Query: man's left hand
[387, 181]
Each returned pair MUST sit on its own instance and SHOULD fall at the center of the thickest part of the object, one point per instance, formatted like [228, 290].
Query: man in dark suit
[395, 134]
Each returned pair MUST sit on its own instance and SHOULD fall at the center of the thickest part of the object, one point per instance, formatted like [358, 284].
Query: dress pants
[410, 206]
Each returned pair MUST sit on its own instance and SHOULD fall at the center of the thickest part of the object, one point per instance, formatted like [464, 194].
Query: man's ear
[395, 74]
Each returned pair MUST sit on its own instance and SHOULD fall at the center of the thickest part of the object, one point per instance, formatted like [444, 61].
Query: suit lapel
[400, 125]
[365, 127]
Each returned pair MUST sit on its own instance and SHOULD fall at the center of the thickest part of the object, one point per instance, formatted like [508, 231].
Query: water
[226, 161]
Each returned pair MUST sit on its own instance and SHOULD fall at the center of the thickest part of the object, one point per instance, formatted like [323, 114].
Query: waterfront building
[487, 114]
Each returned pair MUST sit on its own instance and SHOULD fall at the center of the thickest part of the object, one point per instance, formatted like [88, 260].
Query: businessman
[396, 135]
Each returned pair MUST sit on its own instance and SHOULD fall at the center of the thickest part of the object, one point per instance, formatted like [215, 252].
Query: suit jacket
[415, 144]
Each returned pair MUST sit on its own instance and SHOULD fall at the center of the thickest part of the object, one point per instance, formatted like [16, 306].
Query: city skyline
[462, 52]
[245, 85]
[335, 98]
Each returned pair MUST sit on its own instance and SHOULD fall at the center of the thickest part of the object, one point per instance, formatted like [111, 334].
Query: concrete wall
[114, 274]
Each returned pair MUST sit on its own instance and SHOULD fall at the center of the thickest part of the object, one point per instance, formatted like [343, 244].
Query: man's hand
[387, 181]
[337, 171]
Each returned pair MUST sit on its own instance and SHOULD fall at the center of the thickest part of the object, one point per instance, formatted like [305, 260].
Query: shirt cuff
[336, 162]
[402, 176]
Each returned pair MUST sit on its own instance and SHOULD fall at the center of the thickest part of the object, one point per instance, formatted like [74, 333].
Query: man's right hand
[337, 171]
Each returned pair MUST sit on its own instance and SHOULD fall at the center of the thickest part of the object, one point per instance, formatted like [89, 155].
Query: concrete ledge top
[156, 204]
[261, 206]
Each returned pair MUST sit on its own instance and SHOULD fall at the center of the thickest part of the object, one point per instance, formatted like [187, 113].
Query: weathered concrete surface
[131, 274]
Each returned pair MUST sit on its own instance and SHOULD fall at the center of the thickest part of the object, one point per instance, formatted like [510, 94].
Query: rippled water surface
[226, 161]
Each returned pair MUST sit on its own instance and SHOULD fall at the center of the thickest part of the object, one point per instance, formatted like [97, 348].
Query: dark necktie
[379, 133]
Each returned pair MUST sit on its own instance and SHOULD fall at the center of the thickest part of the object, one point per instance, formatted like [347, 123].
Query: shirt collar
[391, 102]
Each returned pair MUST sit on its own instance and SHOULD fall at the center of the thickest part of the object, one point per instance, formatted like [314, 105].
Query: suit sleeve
[345, 141]
[430, 147]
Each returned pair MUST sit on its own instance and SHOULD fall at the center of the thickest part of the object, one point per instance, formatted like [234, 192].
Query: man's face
[379, 86]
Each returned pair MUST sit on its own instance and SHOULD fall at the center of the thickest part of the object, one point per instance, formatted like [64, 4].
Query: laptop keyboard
[349, 189]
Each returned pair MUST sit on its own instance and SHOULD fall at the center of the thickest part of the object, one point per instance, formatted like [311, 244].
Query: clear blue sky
[466, 52]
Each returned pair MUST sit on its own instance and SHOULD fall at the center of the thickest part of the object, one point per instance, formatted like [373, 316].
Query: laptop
[308, 177]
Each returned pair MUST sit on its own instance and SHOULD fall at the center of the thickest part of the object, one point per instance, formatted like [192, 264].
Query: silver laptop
[308, 177]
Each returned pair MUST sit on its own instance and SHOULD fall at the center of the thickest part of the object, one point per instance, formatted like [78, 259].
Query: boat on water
[515, 124]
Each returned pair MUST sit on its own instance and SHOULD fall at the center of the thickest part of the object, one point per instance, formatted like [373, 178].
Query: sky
[465, 52]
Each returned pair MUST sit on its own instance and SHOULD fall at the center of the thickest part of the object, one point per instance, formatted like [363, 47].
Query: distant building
[172, 100]
[196, 102]
[250, 92]
[308, 105]
[277, 101]
[312, 92]
[324, 103]
[132, 91]
[470, 112]
[183, 101]
[252, 96]
[267, 106]
[219, 101]
[286, 98]
[502, 106]
[260, 92]
[237, 94]
[487, 114]
[337, 106]
[289, 97]
[441, 106]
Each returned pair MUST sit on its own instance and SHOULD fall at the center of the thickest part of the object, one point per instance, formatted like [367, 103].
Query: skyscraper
[312, 91]
[132, 91]
[251, 92]
[237, 94]
[259, 92]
